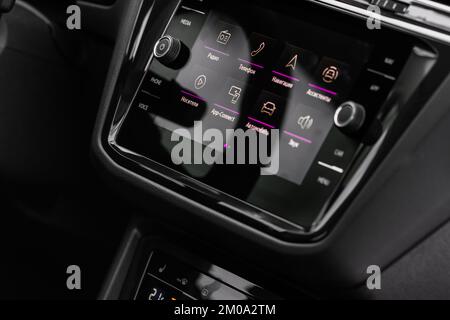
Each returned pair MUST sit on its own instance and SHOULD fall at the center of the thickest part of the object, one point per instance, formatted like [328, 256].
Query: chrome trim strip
[399, 24]
[432, 5]
[35, 11]
[193, 10]
[382, 74]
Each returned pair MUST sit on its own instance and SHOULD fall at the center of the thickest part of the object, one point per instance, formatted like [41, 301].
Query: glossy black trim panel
[144, 238]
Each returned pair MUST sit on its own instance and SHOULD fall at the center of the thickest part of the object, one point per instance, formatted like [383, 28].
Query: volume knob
[350, 117]
[168, 51]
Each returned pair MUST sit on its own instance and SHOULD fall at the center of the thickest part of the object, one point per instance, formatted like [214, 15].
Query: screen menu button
[333, 76]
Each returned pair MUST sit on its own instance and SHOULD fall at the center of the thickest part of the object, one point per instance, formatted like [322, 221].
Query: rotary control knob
[350, 117]
[168, 51]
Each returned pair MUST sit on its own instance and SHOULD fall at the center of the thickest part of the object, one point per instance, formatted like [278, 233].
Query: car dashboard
[340, 95]
[252, 150]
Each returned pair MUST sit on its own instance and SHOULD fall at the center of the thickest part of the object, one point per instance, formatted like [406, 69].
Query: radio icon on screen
[224, 37]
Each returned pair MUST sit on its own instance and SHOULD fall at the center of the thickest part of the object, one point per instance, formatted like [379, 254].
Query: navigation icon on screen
[292, 64]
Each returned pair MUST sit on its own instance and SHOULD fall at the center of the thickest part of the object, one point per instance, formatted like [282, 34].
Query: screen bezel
[234, 205]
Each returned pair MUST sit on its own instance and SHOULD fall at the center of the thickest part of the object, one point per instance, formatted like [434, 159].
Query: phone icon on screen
[262, 46]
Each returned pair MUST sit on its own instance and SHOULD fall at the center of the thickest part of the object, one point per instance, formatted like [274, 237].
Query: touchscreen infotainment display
[251, 69]
[254, 78]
